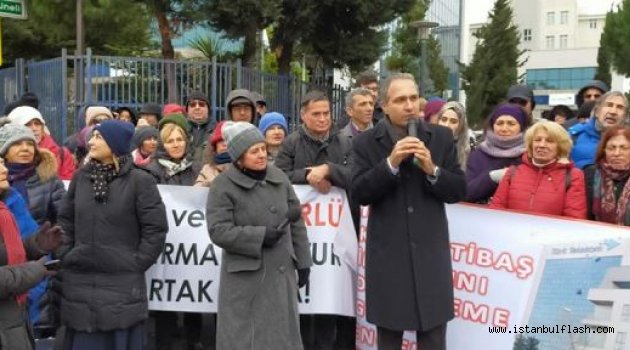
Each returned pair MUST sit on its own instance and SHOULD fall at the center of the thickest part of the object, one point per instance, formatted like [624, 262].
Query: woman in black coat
[116, 226]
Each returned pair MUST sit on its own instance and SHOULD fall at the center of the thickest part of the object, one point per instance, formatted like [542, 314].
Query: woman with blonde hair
[453, 116]
[546, 181]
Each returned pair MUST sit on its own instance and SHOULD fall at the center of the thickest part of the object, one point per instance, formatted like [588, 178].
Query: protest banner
[186, 275]
[512, 270]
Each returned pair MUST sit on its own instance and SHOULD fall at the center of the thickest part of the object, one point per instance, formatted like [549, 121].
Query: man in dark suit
[406, 180]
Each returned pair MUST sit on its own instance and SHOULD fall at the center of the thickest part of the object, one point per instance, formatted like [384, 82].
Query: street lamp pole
[424, 31]
[80, 27]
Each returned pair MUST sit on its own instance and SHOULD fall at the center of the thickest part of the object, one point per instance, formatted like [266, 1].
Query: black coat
[110, 247]
[299, 151]
[408, 261]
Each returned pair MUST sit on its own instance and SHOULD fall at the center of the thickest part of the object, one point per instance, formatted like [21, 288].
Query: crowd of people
[72, 262]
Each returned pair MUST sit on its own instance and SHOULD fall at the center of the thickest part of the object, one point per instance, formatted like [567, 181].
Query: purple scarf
[503, 147]
[18, 175]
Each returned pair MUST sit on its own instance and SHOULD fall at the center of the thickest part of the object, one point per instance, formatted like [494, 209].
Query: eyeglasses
[198, 104]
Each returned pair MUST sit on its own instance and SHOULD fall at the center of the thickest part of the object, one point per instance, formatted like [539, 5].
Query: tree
[494, 64]
[339, 32]
[603, 63]
[615, 38]
[438, 71]
[406, 48]
[525, 343]
[51, 26]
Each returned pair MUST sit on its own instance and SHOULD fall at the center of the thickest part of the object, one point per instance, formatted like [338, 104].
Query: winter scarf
[503, 147]
[19, 175]
[606, 207]
[13, 242]
[173, 168]
[222, 158]
[139, 159]
[102, 174]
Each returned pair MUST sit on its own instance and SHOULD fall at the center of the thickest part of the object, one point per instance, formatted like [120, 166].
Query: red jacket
[65, 162]
[543, 190]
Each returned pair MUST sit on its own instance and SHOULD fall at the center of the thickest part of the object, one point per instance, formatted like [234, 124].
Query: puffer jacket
[45, 189]
[109, 248]
[585, 139]
[543, 190]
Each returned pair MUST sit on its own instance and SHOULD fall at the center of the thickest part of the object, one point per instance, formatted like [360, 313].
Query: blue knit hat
[270, 119]
[117, 134]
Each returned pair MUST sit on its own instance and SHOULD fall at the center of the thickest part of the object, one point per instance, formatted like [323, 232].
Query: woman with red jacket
[546, 182]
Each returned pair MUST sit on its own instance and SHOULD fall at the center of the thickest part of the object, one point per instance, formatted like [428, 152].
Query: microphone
[293, 215]
[412, 127]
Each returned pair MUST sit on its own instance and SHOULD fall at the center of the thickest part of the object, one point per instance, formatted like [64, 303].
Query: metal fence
[66, 85]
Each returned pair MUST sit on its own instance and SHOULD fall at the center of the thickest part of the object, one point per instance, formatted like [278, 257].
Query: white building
[561, 39]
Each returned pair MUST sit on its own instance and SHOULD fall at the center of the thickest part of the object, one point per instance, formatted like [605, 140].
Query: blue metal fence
[66, 85]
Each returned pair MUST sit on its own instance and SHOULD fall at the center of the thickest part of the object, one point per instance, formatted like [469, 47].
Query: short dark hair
[366, 77]
[312, 96]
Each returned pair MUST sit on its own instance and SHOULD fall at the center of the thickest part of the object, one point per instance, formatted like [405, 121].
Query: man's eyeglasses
[198, 104]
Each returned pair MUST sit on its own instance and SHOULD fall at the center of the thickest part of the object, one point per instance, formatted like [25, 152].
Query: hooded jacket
[585, 139]
[65, 160]
[543, 190]
[597, 84]
[242, 94]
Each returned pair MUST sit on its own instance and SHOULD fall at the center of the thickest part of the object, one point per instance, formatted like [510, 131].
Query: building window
[550, 41]
[561, 79]
[551, 18]
[592, 23]
[564, 39]
[527, 35]
[564, 17]
[625, 313]
[620, 341]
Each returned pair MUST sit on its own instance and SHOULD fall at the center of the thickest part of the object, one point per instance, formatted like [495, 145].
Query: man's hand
[317, 178]
[424, 158]
[403, 148]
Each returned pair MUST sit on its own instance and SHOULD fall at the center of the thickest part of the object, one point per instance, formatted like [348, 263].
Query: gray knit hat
[12, 133]
[240, 136]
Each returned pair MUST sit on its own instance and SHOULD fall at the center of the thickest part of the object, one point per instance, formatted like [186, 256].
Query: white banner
[517, 270]
[186, 275]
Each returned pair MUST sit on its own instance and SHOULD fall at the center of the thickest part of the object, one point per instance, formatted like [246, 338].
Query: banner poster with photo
[512, 270]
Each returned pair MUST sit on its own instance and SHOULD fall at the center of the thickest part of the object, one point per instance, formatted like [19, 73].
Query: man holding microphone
[406, 172]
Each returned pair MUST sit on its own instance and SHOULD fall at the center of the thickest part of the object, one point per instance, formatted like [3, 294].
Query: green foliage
[438, 71]
[603, 63]
[525, 343]
[214, 46]
[494, 64]
[51, 26]
[406, 48]
[616, 38]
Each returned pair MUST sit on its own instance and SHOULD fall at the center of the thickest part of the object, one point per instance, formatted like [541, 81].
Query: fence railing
[67, 84]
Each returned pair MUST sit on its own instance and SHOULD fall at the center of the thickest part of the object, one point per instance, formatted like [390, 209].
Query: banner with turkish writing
[186, 275]
[514, 273]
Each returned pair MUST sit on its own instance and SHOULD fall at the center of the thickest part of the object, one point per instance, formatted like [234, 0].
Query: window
[592, 24]
[625, 313]
[561, 79]
[620, 341]
[551, 18]
[564, 17]
[527, 35]
[564, 39]
[550, 42]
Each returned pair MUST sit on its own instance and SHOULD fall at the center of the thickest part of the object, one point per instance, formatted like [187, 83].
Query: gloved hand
[303, 276]
[497, 175]
[272, 235]
[48, 237]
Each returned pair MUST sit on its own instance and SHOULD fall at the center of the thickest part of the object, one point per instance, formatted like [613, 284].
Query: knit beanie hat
[12, 133]
[177, 119]
[432, 108]
[117, 135]
[511, 110]
[240, 136]
[143, 133]
[151, 108]
[273, 118]
[217, 134]
[93, 112]
[197, 95]
[172, 108]
[24, 114]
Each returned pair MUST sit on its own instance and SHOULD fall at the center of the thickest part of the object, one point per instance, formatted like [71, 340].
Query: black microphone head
[412, 127]
[294, 213]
